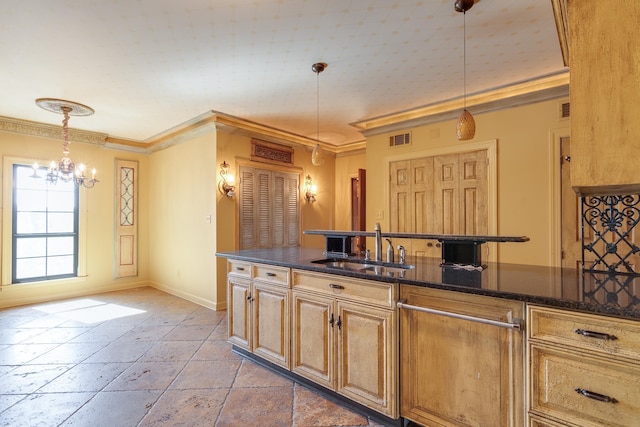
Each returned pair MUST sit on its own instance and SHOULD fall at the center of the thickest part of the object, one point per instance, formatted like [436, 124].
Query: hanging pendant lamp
[317, 155]
[466, 125]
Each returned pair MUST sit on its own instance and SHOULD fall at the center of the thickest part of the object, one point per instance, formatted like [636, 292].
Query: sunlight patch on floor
[88, 310]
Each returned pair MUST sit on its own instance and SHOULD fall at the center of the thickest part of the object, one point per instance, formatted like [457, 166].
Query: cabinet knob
[331, 320]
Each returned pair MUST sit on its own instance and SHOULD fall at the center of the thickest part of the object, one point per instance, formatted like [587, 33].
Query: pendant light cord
[464, 59]
[318, 106]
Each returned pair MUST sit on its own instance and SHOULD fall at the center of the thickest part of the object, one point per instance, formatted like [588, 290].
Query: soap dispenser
[389, 251]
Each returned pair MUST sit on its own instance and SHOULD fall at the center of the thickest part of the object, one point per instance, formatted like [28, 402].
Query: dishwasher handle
[516, 325]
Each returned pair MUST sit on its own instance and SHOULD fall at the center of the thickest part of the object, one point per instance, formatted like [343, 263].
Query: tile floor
[141, 357]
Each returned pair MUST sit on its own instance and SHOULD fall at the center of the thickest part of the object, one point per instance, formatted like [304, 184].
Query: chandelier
[66, 170]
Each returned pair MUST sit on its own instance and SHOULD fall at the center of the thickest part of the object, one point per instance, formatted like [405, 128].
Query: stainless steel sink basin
[365, 267]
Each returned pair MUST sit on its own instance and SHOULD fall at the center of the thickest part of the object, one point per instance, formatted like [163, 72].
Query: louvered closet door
[269, 208]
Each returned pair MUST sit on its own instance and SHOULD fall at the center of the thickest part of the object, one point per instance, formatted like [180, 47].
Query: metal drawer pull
[508, 325]
[596, 396]
[334, 286]
[271, 274]
[599, 335]
[240, 268]
[331, 320]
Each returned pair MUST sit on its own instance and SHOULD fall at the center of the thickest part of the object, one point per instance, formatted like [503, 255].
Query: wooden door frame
[491, 146]
[555, 207]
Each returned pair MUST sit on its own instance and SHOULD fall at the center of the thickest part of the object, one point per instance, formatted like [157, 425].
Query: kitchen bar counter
[601, 293]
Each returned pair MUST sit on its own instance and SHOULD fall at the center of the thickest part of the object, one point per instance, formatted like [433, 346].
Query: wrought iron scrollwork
[611, 220]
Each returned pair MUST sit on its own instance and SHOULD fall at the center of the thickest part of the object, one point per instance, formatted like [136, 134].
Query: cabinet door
[312, 338]
[271, 322]
[238, 303]
[457, 372]
[366, 356]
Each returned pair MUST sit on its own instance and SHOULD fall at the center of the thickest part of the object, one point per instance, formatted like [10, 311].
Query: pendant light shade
[466, 126]
[317, 157]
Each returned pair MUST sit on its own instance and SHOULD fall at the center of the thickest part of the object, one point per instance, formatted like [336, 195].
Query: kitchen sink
[362, 266]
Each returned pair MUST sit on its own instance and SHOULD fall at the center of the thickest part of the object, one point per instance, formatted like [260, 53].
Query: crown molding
[529, 92]
[27, 127]
[561, 16]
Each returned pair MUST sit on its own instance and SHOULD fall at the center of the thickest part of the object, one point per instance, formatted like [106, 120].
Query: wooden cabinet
[455, 368]
[258, 305]
[344, 337]
[604, 98]
[584, 369]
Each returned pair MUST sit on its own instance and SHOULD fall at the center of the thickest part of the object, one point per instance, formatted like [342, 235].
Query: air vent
[565, 110]
[400, 139]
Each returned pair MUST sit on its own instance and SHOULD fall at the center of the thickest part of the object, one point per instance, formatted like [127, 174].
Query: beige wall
[96, 231]
[182, 241]
[526, 164]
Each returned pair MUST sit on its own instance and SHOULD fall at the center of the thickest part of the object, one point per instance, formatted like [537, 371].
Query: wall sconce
[226, 185]
[310, 190]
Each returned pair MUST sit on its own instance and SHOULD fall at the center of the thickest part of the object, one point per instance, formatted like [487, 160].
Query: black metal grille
[614, 291]
[611, 221]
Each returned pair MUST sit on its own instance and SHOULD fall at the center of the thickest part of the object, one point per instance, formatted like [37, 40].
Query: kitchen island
[443, 345]
[600, 293]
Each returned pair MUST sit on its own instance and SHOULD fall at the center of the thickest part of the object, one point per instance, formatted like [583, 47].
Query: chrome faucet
[402, 254]
[378, 232]
[389, 251]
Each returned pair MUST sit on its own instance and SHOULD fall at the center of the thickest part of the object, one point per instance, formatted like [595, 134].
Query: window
[44, 227]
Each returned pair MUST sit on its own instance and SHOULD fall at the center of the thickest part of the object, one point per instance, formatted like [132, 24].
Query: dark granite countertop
[601, 293]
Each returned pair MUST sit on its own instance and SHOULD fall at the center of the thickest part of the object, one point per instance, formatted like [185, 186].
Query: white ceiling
[146, 66]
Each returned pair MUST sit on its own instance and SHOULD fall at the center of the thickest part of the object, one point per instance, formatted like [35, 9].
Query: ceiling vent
[400, 139]
[565, 110]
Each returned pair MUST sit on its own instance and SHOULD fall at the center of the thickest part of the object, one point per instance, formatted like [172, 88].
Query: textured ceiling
[146, 66]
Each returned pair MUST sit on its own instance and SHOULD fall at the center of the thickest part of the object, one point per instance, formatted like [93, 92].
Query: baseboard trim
[216, 306]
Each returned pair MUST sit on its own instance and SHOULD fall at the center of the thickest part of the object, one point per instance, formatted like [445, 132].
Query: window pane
[31, 222]
[60, 265]
[25, 179]
[60, 223]
[61, 202]
[31, 247]
[60, 246]
[31, 267]
[31, 200]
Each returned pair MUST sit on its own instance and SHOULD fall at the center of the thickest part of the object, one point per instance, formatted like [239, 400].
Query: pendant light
[317, 155]
[466, 126]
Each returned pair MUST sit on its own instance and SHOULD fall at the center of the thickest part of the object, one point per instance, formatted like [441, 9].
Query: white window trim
[7, 211]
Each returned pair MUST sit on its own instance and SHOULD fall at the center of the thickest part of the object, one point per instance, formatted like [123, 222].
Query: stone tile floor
[142, 357]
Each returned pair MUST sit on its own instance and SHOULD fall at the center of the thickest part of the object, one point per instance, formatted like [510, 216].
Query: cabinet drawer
[271, 273]
[239, 268]
[359, 290]
[557, 374]
[589, 332]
